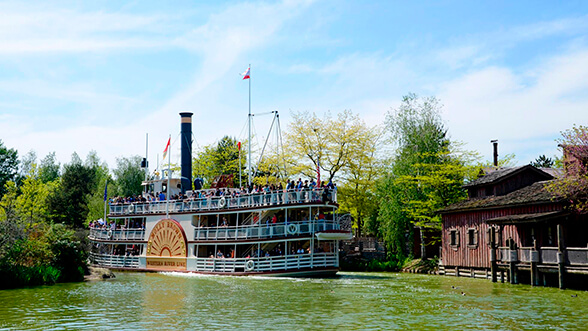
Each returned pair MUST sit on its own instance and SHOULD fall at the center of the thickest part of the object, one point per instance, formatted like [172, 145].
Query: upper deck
[214, 204]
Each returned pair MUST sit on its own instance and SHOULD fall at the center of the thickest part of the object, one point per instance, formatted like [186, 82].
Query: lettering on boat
[166, 248]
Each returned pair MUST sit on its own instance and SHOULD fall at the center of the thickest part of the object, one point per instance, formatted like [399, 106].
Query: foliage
[426, 173]
[49, 168]
[31, 204]
[543, 162]
[129, 176]
[68, 203]
[8, 167]
[218, 159]
[574, 185]
[42, 254]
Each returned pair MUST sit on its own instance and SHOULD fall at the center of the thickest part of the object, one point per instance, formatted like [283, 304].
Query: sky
[99, 75]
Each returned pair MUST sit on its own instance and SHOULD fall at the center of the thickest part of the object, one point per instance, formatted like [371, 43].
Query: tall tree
[8, 166]
[31, 204]
[426, 173]
[129, 175]
[49, 168]
[68, 204]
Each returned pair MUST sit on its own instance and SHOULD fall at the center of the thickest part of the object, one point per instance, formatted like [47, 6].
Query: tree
[68, 204]
[426, 173]
[49, 168]
[8, 167]
[325, 143]
[543, 162]
[31, 204]
[218, 159]
[129, 176]
[574, 185]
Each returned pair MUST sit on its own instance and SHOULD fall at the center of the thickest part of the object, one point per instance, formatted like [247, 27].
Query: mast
[249, 139]
[168, 180]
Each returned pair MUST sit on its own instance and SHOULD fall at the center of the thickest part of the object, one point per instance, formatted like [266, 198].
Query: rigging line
[281, 144]
[265, 144]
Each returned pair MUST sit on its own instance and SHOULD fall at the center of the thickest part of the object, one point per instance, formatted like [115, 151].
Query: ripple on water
[352, 301]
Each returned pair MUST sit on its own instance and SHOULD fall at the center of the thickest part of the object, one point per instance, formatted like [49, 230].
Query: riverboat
[222, 231]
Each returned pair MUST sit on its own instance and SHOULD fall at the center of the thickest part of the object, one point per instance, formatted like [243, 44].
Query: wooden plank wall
[479, 257]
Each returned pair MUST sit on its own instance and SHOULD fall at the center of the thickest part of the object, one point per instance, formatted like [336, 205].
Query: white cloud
[524, 110]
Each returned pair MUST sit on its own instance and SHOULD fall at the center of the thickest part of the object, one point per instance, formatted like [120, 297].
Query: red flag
[246, 74]
[166, 147]
[318, 173]
[239, 146]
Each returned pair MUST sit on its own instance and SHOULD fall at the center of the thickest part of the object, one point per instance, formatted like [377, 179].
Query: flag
[318, 173]
[105, 191]
[246, 74]
[166, 147]
[239, 146]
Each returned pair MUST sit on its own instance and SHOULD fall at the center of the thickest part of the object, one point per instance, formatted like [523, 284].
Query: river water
[352, 301]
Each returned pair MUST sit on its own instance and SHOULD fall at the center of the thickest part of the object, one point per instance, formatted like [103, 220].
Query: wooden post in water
[560, 256]
[534, 261]
[493, 265]
[512, 258]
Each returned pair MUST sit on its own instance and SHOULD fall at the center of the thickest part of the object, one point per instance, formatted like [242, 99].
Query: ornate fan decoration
[167, 239]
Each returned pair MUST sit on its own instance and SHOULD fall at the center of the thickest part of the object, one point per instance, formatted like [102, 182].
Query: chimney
[495, 143]
[186, 136]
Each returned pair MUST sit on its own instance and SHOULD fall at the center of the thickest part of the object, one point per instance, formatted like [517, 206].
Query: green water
[353, 301]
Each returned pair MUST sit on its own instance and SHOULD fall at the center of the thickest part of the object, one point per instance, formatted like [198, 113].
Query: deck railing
[216, 203]
[574, 256]
[106, 234]
[264, 231]
[114, 261]
[577, 256]
[265, 264]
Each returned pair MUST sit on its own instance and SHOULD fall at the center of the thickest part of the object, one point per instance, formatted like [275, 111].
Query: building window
[472, 238]
[454, 238]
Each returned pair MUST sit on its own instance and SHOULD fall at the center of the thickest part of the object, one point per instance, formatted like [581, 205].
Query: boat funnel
[186, 136]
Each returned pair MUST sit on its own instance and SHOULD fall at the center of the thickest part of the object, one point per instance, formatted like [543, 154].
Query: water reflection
[358, 301]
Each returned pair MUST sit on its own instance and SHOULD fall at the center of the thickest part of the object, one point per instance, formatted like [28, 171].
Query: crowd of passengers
[112, 225]
[256, 190]
[277, 251]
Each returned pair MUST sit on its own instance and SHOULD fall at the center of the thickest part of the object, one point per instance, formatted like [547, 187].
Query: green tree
[68, 203]
[218, 159]
[31, 204]
[543, 162]
[8, 167]
[426, 173]
[129, 176]
[49, 168]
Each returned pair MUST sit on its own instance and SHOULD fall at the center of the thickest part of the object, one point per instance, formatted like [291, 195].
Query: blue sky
[98, 76]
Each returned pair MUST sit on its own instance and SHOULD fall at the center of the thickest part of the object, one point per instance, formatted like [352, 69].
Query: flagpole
[249, 140]
[168, 179]
[105, 198]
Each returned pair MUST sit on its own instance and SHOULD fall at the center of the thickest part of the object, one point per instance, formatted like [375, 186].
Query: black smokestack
[186, 136]
[495, 143]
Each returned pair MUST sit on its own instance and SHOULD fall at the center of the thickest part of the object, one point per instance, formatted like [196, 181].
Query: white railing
[548, 254]
[106, 234]
[525, 254]
[229, 202]
[114, 261]
[266, 264]
[264, 231]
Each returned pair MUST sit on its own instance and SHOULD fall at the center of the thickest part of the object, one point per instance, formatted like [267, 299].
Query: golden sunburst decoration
[167, 239]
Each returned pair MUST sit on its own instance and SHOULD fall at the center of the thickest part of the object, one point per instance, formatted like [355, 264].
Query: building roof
[532, 194]
[495, 176]
[528, 218]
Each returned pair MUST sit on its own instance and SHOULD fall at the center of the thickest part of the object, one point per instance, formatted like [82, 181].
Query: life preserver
[250, 265]
[109, 234]
[131, 209]
[222, 202]
[292, 229]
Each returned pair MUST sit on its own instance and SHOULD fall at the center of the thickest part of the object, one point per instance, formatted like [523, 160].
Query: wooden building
[513, 229]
